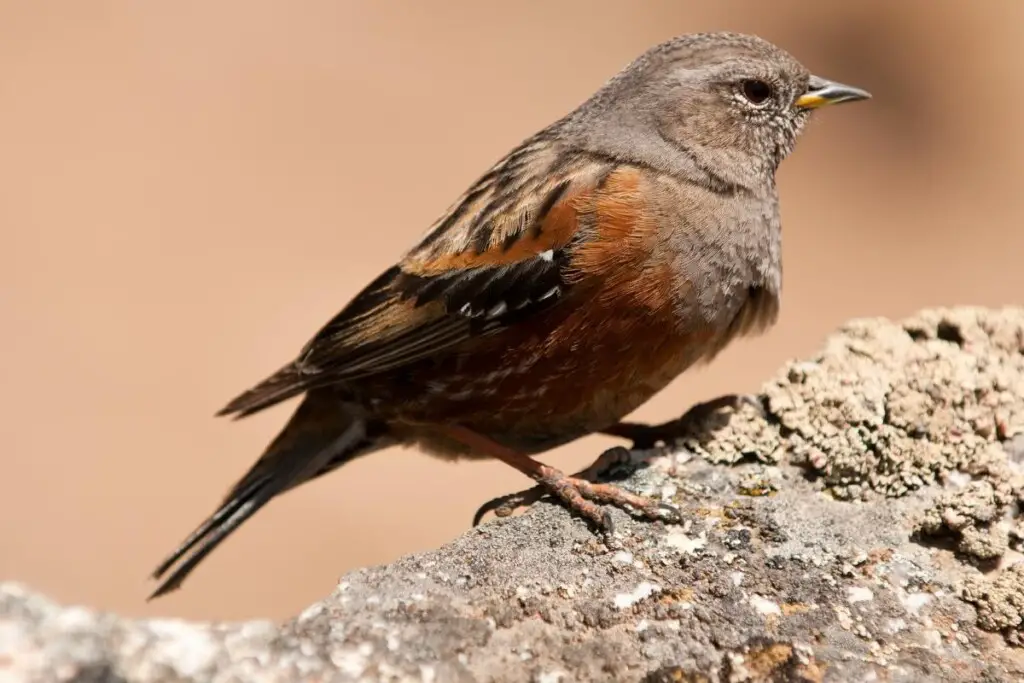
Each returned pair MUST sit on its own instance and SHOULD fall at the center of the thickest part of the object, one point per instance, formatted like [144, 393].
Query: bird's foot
[582, 496]
[649, 436]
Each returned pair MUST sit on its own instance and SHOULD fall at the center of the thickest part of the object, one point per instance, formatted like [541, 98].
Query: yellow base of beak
[822, 92]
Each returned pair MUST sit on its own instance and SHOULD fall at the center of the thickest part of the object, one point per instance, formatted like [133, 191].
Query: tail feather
[209, 535]
[321, 436]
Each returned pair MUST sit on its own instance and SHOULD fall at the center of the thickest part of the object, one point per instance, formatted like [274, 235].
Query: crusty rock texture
[865, 527]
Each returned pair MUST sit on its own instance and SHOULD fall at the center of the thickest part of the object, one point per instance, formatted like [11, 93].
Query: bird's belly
[533, 394]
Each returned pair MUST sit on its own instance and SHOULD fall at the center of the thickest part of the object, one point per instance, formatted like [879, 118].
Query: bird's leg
[503, 506]
[577, 493]
[648, 436]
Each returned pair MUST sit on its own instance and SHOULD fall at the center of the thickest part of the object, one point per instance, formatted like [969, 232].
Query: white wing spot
[548, 255]
[497, 310]
[554, 291]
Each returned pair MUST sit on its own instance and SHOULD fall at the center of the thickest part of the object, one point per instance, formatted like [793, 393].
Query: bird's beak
[822, 92]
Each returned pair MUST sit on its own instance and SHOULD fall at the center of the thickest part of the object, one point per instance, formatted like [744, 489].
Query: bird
[603, 256]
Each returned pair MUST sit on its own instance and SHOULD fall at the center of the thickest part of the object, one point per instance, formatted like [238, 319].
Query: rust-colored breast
[585, 363]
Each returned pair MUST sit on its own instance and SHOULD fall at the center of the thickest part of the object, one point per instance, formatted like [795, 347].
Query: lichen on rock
[1000, 602]
[934, 395]
[971, 516]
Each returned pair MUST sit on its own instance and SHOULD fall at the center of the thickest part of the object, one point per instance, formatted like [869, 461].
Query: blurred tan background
[189, 189]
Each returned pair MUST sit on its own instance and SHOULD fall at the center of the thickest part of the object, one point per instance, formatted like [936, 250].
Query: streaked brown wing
[499, 255]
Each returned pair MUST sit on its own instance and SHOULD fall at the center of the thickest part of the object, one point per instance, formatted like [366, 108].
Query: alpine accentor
[594, 263]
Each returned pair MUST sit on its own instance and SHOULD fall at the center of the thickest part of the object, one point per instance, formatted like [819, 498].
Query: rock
[865, 527]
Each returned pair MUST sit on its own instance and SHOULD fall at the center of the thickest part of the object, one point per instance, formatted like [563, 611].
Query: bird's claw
[504, 506]
[584, 498]
[672, 514]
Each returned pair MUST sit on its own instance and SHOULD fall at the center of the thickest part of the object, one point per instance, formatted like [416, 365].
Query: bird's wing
[516, 243]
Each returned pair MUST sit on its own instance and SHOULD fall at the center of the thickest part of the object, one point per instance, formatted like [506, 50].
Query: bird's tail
[321, 436]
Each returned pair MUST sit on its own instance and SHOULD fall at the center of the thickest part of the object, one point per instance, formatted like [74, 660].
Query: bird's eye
[756, 91]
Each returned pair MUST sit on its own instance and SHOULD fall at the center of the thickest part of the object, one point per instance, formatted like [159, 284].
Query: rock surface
[864, 528]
